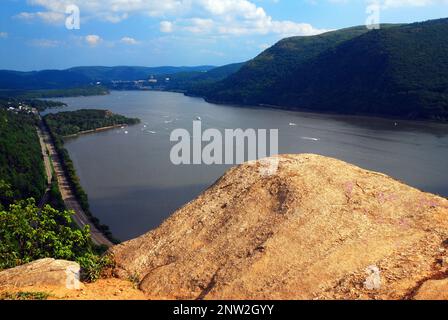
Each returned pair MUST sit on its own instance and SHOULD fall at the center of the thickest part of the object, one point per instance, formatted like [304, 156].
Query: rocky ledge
[44, 272]
[317, 228]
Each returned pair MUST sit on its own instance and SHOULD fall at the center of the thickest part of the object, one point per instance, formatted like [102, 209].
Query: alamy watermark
[73, 19]
[72, 281]
[373, 11]
[231, 147]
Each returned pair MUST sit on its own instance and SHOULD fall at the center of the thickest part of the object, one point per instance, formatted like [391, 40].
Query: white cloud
[166, 27]
[129, 41]
[3, 35]
[50, 17]
[387, 4]
[199, 25]
[232, 17]
[45, 43]
[93, 39]
[408, 3]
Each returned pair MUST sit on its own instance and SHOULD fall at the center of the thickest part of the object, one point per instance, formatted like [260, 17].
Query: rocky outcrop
[433, 290]
[318, 228]
[41, 273]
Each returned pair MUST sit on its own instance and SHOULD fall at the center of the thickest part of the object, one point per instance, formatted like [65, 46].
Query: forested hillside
[398, 70]
[21, 165]
[188, 81]
[82, 77]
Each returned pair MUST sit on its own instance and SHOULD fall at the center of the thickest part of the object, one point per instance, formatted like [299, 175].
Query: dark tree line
[21, 163]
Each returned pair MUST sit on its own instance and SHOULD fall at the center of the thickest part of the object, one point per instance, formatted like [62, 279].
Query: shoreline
[68, 193]
[95, 130]
[274, 107]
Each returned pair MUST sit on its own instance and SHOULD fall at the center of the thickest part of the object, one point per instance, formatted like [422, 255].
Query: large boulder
[317, 228]
[41, 273]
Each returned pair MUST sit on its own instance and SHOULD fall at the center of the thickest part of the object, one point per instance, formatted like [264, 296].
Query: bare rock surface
[318, 228]
[433, 290]
[44, 272]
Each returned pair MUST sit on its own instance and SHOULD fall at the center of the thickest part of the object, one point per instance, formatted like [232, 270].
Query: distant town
[19, 107]
[152, 83]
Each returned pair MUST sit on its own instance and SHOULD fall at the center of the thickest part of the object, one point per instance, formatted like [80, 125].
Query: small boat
[292, 124]
[310, 139]
[126, 132]
[199, 118]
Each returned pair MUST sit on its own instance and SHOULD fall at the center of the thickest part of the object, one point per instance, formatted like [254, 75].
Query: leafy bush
[93, 266]
[28, 233]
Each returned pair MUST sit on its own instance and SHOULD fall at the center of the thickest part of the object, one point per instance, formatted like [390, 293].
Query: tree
[28, 233]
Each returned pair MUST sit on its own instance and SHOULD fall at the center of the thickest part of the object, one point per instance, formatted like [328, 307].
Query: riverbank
[69, 193]
[95, 130]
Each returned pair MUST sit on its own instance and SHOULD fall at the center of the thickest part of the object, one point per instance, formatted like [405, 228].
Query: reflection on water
[133, 186]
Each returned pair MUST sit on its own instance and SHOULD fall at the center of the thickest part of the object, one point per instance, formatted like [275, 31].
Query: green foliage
[21, 164]
[253, 81]
[28, 233]
[398, 70]
[55, 198]
[93, 266]
[6, 193]
[186, 81]
[24, 295]
[70, 123]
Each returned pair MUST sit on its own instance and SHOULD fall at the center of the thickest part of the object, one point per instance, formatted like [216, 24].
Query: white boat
[292, 124]
[310, 139]
[199, 118]
[126, 132]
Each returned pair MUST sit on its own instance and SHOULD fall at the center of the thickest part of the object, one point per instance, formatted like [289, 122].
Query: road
[68, 196]
[48, 169]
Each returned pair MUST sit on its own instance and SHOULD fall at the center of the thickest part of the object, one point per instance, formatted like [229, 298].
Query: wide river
[133, 186]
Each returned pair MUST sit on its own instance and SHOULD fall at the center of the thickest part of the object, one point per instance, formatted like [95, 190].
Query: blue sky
[34, 36]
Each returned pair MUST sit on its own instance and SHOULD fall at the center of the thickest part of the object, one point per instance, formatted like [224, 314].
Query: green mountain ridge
[185, 81]
[397, 70]
[83, 76]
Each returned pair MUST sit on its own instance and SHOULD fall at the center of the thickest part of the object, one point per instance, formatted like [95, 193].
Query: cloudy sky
[34, 33]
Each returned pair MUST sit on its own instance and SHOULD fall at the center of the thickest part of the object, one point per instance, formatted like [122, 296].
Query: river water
[133, 186]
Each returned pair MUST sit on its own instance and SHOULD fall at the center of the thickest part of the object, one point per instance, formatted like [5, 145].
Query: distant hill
[186, 81]
[398, 70]
[47, 79]
[82, 76]
[125, 73]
